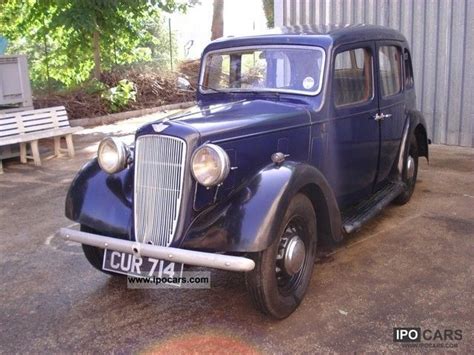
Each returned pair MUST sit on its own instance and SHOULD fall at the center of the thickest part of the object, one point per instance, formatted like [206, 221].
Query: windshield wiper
[264, 92]
[205, 87]
[245, 91]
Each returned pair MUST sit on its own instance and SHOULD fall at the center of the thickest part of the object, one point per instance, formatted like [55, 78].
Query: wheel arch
[323, 216]
[418, 128]
[249, 220]
[422, 140]
[99, 200]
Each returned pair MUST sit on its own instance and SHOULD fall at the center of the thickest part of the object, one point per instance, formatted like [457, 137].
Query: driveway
[410, 267]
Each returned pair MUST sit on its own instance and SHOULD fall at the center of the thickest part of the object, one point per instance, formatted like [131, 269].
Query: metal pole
[171, 43]
[46, 54]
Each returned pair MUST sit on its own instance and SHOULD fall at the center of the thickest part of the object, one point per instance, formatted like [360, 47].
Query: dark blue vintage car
[297, 138]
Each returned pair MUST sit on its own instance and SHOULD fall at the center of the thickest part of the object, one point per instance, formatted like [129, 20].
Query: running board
[356, 216]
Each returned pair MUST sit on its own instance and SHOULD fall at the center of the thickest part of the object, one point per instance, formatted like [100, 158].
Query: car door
[354, 134]
[391, 115]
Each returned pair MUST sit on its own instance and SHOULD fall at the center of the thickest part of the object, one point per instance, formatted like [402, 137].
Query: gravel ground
[410, 267]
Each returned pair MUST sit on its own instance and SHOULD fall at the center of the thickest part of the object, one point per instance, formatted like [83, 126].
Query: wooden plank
[38, 135]
[46, 119]
[42, 110]
[43, 127]
[57, 146]
[70, 145]
[8, 127]
[39, 122]
[6, 117]
[19, 122]
[44, 123]
[54, 117]
[32, 115]
[35, 152]
[23, 153]
[8, 133]
[9, 120]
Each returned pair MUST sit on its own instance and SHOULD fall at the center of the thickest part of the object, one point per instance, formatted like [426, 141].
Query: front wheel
[283, 271]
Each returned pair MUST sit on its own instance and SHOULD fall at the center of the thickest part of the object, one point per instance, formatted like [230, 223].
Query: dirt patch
[460, 165]
[456, 225]
[154, 88]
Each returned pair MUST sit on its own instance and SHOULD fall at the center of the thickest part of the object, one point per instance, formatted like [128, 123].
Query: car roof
[346, 32]
[320, 35]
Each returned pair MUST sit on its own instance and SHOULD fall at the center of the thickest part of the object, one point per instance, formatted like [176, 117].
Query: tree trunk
[217, 29]
[268, 9]
[96, 48]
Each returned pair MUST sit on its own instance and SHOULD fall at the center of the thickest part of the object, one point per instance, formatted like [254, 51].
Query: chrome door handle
[381, 116]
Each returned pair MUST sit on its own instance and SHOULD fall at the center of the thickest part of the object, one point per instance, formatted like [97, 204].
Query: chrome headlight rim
[119, 148]
[224, 165]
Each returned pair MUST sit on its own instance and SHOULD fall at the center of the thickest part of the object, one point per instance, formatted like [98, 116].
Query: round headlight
[112, 155]
[210, 165]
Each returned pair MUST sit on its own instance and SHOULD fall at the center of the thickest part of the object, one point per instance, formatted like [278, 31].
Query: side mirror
[183, 84]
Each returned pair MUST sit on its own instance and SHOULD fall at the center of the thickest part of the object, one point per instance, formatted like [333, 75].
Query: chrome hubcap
[291, 256]
[410, 167]
[294, 256]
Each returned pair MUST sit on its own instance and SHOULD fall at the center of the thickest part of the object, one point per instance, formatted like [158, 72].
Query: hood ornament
[160, 127]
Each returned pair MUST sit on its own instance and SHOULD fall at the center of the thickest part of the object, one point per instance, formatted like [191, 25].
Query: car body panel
[249, 220]
[102, 201]
[391, 127]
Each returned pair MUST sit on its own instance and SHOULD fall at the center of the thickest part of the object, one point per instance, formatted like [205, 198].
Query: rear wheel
[94, 255]
[283, 271]
[410, 172]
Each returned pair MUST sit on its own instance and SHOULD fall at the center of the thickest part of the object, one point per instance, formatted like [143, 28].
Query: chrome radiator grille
[159, 174]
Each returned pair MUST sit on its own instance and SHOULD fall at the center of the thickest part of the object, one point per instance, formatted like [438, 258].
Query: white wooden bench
[28, 127]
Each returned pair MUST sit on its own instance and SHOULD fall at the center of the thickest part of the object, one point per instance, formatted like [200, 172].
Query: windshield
[291, 69]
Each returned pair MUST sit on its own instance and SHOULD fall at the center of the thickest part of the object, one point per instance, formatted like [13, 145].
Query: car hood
[221, 122]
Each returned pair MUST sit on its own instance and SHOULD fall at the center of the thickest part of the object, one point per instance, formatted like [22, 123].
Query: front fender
[101, 201]
[249, 220]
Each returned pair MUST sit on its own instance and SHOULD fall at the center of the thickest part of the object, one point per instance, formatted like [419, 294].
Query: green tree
[268, 9]
[71, 39]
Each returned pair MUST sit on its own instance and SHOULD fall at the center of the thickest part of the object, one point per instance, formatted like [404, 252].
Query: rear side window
[389, 69]
[353, 77]
[409, 81]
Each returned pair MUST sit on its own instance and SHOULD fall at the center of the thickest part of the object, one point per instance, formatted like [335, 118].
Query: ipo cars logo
[406, 335]
[416, 335]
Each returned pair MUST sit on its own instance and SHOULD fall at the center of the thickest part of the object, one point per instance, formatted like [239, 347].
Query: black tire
[410, 182]
[94, 255]
[274, 292]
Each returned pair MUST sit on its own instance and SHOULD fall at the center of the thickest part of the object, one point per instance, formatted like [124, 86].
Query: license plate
[141, 266]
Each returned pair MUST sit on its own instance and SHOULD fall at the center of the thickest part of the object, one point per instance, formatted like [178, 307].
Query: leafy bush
[94, 86]
[120, 96]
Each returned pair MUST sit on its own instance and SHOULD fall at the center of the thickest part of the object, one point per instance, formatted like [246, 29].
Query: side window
[353, 77]
[409, 81]
[390, 70]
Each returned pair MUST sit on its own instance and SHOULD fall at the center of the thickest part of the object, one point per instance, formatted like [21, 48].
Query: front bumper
[189, 257]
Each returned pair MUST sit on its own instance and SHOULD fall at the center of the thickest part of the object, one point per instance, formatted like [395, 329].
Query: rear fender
[419, 130]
